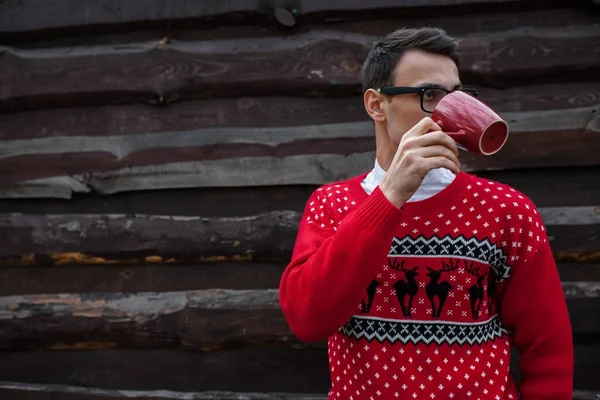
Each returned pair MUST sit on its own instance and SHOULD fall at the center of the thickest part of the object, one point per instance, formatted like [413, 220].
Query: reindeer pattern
[439, 288]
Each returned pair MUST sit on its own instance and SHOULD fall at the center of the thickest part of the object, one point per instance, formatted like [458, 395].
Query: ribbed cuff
[377, 214]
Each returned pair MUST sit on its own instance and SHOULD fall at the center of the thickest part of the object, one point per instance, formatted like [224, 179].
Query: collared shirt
[434, 182]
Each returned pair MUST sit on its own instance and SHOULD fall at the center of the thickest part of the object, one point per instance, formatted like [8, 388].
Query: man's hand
[422, 148]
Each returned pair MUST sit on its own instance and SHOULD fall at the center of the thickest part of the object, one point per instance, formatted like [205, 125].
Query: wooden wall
[155, 157]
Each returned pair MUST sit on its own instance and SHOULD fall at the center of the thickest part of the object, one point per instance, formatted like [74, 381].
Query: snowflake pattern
[431, 329]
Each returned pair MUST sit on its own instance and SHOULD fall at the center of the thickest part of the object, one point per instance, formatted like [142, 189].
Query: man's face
[416, 69]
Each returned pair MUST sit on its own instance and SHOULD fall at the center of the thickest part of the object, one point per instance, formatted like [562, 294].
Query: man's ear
[374, 104]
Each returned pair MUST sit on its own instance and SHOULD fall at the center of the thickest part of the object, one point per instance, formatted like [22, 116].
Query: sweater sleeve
[332, 264]
[534, 308]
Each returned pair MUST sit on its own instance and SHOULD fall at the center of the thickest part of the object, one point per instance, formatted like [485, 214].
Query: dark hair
[379, 65]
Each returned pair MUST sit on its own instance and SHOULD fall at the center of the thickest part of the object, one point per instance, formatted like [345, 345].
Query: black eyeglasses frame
[397, 90]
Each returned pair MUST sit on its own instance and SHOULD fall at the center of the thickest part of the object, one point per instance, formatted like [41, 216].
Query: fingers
[432, 139]
[422, 127]
[440, 162]
[438, 151]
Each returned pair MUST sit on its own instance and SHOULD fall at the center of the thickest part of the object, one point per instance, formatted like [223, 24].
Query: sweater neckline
[420, 207]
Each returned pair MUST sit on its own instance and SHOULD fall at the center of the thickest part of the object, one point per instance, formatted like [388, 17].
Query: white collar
[434, 182]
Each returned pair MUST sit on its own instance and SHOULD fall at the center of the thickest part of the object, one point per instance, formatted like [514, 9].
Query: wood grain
[200, 319]
[250, 156]
[259, 112]
[123, 239]
[242, 370]
[477, 20]
[23, 16]
[36, 391]
[167, 238]
[166, 277]
[578, 188]
[324, 63]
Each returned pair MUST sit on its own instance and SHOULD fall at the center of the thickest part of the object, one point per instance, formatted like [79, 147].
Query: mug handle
[458, 138]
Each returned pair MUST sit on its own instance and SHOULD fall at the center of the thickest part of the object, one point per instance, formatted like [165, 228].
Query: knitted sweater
[426, 301]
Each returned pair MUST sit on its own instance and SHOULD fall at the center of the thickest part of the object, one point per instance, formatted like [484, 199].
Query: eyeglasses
[430, 95]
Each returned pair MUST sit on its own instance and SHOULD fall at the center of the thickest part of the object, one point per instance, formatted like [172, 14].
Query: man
[420, 275]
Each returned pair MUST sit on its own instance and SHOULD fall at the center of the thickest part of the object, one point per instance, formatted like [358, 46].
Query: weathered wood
[324, 62]
[584, 318]
[201, 319]
[36, 391]
[585, 215]
[106, 239]
[575, 243]
[33, 391]
[54, 237]
[165, 277]
[581, 290]
[198, 319]
[243, 370]
[578, 188]
[257, 112]
[504, 17]
[265, 156]
[23, 16]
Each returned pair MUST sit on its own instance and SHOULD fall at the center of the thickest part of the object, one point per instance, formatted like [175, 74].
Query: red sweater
[424, 302]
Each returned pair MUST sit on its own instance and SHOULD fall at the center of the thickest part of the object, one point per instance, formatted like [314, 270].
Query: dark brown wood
[456, 20]
[123, 239]
[198, 319]
[209, 202]
[323, 62]
[32, 391]
[575, 243]
[23, 16]
[36, 391]
[579, 272]
[578, 188]
[24, 280]
[147, 238]
[201, 319]
[584, 320]
[146, 163]
[165, 277]
[243, 370]
[256, 112]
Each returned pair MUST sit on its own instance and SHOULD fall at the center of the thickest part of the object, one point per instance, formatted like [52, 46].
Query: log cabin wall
[155, 158]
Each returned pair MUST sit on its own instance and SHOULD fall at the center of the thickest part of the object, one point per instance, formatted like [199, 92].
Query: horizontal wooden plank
[581, 290]
[243, 370]
[257, 112]
[578, 188]
[166, 277]
[200, 319]
[32, 391]
[36, 391]
[323, 62]
[108, 238]
[161, 276]
[264, 236]
[227, 157]
[476, 20]
[23, 16]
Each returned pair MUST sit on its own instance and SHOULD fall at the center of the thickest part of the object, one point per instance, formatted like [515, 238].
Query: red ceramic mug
[472, 124]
